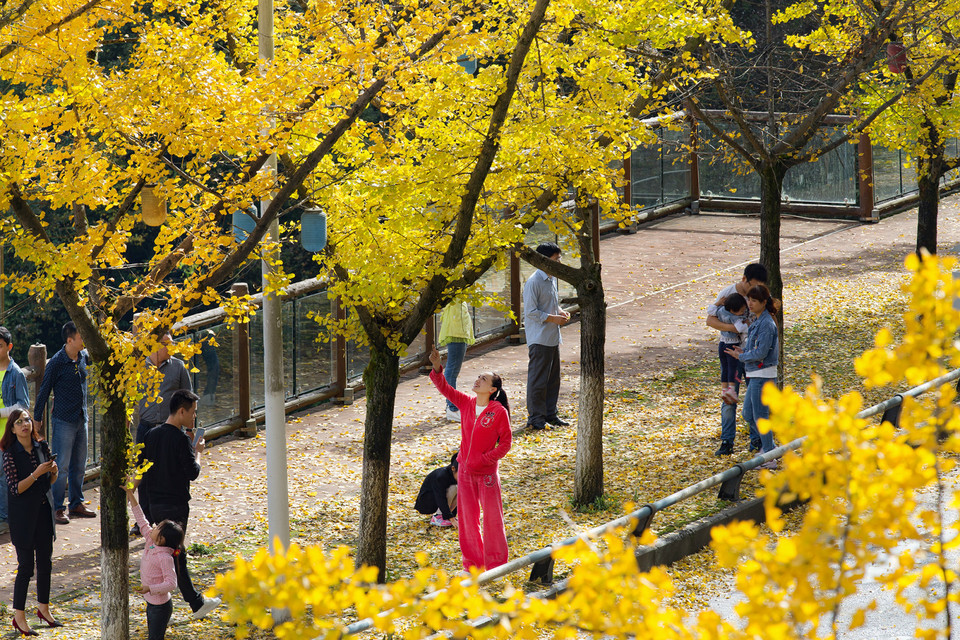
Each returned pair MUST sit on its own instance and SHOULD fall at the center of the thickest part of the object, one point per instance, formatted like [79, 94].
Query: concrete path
[658, 284]
[887, 621]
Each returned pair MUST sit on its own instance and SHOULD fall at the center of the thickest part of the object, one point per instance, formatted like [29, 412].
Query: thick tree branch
[745, 129]
[548, 266]
[121, 211]
[723, 135]
[50, 28]
[65, 287]
[866, 122]
[239, 255]
[853, 66]
[474, 273]
[427, 301]
[641, 103]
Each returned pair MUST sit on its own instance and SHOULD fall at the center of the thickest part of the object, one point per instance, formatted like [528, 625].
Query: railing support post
[868, 213]
[630, 224]
[248, 426]
[37, 357]
[643, 522]
[595, 229]
[694, 166]
[429, 340]
[345, 395]
[730, 489]
[892, 414]
[516, 292]
[542, 571]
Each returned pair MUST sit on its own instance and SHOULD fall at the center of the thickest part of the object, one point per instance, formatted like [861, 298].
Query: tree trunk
[771, 192]
[114, 540]
[381, 378]
[930, 169]
[588, 475]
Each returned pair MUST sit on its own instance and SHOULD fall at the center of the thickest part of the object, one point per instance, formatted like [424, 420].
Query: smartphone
[197, 434]
[53, 456]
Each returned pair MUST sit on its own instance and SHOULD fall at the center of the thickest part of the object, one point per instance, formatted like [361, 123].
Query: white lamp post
[278, 515]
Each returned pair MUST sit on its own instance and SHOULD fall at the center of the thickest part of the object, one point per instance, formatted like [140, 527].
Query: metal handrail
[644, 513]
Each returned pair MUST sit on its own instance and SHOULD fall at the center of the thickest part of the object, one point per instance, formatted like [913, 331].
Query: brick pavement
[658, 283]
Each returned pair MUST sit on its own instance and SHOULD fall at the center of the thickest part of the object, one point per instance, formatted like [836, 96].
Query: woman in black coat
[30, 472]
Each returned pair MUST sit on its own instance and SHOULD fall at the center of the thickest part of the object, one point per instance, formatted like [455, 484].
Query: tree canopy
[860, 480]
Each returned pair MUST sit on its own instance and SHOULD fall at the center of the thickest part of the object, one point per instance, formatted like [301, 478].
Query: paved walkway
[658, 283]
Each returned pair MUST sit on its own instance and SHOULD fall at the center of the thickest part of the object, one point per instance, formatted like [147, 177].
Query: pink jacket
[156, 565]
[484, 439]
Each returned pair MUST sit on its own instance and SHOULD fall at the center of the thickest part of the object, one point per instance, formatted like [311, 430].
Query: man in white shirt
[753, 275]
[543, 318]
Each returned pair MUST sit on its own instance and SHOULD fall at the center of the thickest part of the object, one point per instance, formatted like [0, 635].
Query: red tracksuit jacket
[484, 439]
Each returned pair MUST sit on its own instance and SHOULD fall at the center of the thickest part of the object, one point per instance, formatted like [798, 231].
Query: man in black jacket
[438, 495]
[176, 462]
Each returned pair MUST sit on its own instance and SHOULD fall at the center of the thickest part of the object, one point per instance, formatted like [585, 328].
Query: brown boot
[81, 511]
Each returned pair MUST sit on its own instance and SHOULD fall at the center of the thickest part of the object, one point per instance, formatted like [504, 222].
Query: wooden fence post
[694, 166]
[630, 225]
[37, 357]
[595, 229]
[516, 306]
[868, 212]
[248, 426]
[345, 394]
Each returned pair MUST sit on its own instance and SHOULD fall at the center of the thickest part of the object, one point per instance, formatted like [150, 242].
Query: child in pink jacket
[485, 437]
[158, 575]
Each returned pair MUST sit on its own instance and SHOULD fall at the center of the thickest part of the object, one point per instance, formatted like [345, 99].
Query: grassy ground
[659, 436]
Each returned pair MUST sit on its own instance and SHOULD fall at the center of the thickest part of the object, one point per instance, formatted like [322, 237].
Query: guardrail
[729, 482]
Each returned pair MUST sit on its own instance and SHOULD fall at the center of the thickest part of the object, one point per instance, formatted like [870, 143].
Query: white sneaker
[209, 604]
[453, 415]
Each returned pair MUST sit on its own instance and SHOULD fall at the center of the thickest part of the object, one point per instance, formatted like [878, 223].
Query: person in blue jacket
[760, 355]
[13, 395]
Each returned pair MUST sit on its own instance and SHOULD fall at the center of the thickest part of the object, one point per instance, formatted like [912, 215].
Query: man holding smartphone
[151, 412]
[176, 462]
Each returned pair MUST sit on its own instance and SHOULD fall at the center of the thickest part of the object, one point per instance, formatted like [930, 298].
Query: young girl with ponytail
[485, 437]
[158, 571]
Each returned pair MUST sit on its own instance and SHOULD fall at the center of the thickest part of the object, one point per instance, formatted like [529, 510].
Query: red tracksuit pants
[475, 492]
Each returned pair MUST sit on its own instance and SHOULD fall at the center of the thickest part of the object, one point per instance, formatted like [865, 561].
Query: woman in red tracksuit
[485, 437]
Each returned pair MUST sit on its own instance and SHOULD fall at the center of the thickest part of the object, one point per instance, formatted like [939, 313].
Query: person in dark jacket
[438, 495]
[30, 472]
[13, 395]
[176, 462]
[152, 412]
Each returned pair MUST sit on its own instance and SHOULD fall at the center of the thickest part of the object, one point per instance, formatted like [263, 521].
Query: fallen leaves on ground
[660, 432]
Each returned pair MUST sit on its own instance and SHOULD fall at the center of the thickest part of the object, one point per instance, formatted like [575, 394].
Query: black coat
[24, 508]
[433, 493]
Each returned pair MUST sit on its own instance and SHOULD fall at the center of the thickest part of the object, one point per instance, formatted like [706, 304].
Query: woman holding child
[760, 355]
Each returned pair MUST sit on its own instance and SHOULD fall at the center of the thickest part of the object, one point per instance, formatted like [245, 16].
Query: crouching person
[438, 495]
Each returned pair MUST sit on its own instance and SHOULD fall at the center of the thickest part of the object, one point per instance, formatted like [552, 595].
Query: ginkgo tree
[452, 180]
[923, 122]
[861, 482]
[769, 102]
[104, 99]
